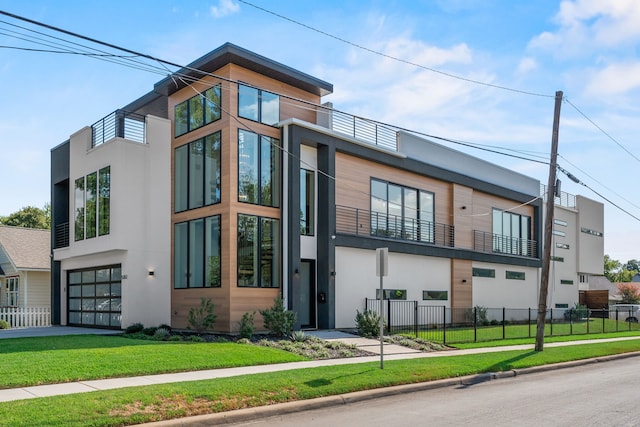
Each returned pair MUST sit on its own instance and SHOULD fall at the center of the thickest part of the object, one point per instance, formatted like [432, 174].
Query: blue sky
[589, 49]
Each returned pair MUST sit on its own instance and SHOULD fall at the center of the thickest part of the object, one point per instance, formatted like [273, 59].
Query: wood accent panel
[594, 299]
[182, 300]
[462, 208]
[353, 184]
[461, 283]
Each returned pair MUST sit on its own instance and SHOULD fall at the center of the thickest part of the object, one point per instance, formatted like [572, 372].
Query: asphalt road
[602, 394]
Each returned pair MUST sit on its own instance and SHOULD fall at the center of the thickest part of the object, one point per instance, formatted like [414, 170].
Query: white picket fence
[26, 317]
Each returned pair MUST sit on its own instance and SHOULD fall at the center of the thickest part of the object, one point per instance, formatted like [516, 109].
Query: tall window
[307, 202]
[197, 173]
[197, 111]
[258, 169]
[401, 212]
[511, 233]
[197, 253]
[92, 197]
[258, 105]
[13, 291]
[258, 252]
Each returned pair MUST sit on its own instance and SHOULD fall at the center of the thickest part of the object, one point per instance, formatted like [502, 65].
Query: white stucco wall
[501, 292]
[356, 279]
[140, 220]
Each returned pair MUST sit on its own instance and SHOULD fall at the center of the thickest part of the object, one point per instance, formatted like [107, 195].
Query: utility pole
[548, 227]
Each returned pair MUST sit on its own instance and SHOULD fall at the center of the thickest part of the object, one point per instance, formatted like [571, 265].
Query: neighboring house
[25, 277]
[231, 181]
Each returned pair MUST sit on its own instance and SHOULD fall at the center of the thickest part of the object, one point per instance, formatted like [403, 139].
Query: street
[602, 394]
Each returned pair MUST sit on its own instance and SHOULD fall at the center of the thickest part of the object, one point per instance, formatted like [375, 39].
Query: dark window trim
[484, 272]
[278, 173]
[260, 91]
[425, 295]
[204, 252]
[259, 254]
[515, 275]
[204, 174]
[203, 98]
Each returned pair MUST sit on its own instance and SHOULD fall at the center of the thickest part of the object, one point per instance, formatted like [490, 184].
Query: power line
[602, 130]
[384, 55]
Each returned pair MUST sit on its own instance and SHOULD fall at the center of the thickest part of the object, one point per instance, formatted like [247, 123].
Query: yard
[85, 357]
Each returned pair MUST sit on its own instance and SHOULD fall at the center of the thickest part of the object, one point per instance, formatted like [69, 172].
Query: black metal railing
[496, 243]
[458, 325]
[61, 235]
[119, 124]
[362, 222]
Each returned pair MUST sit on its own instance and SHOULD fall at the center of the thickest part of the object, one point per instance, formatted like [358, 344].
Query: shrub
[202, 318]
[174, 338]
[134, 328]
[629, 293]
[577, 312]
[161, 333]
[244, 341]
[165, 326]
[4, 324]
[368, 323]
[278, 320]
[150, 331]
[480, 314]
[196, 338]
[246, 325]
[299, 336]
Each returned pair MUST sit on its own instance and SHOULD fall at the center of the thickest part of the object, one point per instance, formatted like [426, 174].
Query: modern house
[25, 277]
[231, 180]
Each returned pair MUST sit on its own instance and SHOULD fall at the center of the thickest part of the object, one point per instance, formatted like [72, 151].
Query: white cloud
[527, 65]
[588, 25]
[224, 8]
[615, 79]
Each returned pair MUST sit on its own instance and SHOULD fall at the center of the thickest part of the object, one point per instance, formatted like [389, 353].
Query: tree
[630, 293]
[617, 272]
[632, 265]
[29, 217]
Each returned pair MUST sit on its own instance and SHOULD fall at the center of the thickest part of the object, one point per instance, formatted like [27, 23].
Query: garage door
[95, 297]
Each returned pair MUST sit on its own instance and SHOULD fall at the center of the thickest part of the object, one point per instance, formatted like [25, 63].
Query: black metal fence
[459, 325]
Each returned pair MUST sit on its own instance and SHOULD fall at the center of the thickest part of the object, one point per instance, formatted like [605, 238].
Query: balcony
[499, 244]
[364, 130]
[362, 222]
[119, 124]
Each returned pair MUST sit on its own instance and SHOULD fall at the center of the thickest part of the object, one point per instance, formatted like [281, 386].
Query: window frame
[260, 103]
[190, 250]
[422, 232]
[184, 179]
[209, 109]
[307, 202]
[267, 164]
[258, 252]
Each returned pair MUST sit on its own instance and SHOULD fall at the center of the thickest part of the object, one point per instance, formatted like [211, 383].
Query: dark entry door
[307, 312]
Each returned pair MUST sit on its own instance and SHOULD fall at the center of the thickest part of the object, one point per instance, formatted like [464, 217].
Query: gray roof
[26, 248]
[230, 53]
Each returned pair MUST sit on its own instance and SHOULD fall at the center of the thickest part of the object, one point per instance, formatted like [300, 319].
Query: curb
[252, 414]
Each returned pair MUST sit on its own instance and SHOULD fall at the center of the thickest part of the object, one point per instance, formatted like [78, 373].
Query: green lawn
[514, 331]
[47, 360]
[145, 404]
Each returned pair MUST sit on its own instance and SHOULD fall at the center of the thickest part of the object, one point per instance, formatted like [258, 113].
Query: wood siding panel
[353, 184]
[461, 283]
[462, 209]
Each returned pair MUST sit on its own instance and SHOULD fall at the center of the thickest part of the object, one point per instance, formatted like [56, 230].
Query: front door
[307, 312]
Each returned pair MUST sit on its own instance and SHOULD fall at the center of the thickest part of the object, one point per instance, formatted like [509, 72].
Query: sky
[480, 71]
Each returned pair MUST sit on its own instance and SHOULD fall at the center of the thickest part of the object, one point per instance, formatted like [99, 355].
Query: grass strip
[153, 403]
[518, 341]
[50, 360]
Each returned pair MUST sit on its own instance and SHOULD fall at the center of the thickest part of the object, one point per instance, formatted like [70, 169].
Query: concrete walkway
[391, 352]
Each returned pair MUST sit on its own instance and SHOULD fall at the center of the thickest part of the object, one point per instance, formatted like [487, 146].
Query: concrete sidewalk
[391, 352]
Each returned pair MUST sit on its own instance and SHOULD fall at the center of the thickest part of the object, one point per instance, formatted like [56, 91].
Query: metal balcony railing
[119, 124]
[566, 200]
[362, 222]
[364, 130]
[499, 244]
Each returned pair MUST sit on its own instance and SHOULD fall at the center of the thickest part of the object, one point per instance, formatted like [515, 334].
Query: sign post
[382, 269]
